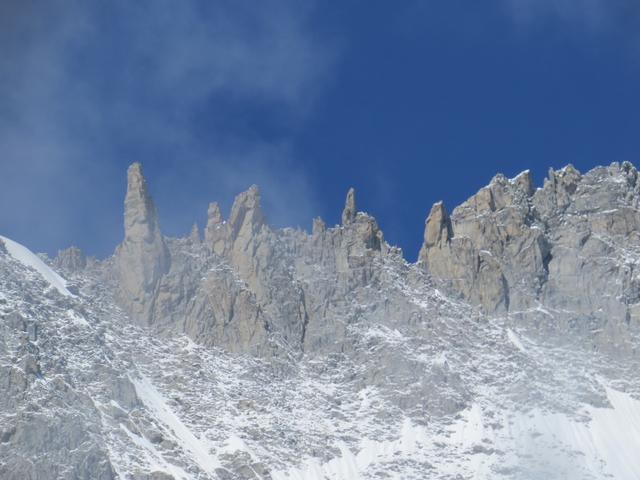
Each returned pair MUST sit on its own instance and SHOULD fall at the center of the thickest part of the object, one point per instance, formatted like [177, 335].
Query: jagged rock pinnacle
[216, 231]
[349, 212]
[525, 181]
[246, 214]
[438, 233]
[72, 259]
[140, 216]
[344, 329]
[319, 227]
[214, 216]
[437, 226]
[143, 257]
[194, 236]
[214, 220]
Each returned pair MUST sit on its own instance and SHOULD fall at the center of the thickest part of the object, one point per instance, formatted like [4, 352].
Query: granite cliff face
[559, 257]
[509, 350]
[555, 258]
[142, 258]
[246, 287]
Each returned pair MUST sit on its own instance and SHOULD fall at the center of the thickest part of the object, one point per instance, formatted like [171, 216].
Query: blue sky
[409, 102]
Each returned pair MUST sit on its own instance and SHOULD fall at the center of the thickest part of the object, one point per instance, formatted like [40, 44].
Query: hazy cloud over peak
[409, 104]
[89, 87]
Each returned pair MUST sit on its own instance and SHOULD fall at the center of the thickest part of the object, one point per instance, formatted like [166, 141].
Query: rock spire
[143, 257]
[437, 226]
[246, 214]
[194, 236]
[72, 259]
[349, 212]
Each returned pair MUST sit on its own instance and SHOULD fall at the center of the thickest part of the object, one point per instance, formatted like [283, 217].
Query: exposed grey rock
[268, 353]
[16, 321]
[319, 227]
[246, 217]
[194, 236]
[142, 258]
[438, 229]
[203, 296]
[214, 216]
[561, 248]
[216, 234]
[71, 259]
[32, 331]
[43, 448]
[491, 247]
[3, 248]
[349, 212]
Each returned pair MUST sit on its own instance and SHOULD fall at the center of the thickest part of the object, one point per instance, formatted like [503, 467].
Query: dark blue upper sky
[409, 102]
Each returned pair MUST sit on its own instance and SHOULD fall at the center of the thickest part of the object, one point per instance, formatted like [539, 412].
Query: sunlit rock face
[507, 351]
[549, 259]
[559, 256]
[142, 258]
[71, 259]
[489, 243]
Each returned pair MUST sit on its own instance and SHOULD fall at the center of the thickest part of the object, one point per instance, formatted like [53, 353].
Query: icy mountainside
[259, 353]
[29, 259]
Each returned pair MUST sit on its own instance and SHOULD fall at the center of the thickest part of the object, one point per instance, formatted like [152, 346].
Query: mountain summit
[509, 350]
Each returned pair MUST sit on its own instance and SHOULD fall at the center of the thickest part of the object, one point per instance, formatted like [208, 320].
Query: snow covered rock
[509, 351]
[23, 255]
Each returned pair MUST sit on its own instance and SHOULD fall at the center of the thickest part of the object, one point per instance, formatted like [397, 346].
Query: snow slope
[29, 259]
[444, 396]
[603, 445]
[184, 437]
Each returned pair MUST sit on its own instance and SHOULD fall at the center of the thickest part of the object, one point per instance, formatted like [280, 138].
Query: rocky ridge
[509, 350]
[559, 257]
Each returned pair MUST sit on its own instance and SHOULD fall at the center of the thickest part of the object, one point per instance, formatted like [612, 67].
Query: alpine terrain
[509, 350]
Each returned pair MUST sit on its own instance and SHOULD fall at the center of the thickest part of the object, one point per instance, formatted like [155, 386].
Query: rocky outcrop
[194, 236]
[245, 222]
[204, 298]
[142, 258]
[216, 233]
[349, 212]
[71, 259]
[474, 248]
[346, 333]
[509, 249]
[592, 224]
[318, 228]
[438, 229]
[560, 249]
[559, 189]
[246, 287]
[190, 287]
[246, 214]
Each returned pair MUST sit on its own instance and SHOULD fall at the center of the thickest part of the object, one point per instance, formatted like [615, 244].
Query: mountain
[509, 350]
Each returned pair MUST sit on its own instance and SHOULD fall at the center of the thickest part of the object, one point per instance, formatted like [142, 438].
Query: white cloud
[90, 86]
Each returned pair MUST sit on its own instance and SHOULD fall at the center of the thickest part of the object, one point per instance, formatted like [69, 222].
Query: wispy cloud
[88, 87]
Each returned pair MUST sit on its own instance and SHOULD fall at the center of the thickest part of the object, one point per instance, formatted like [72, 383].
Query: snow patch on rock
[184, 437]
[29, 259]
